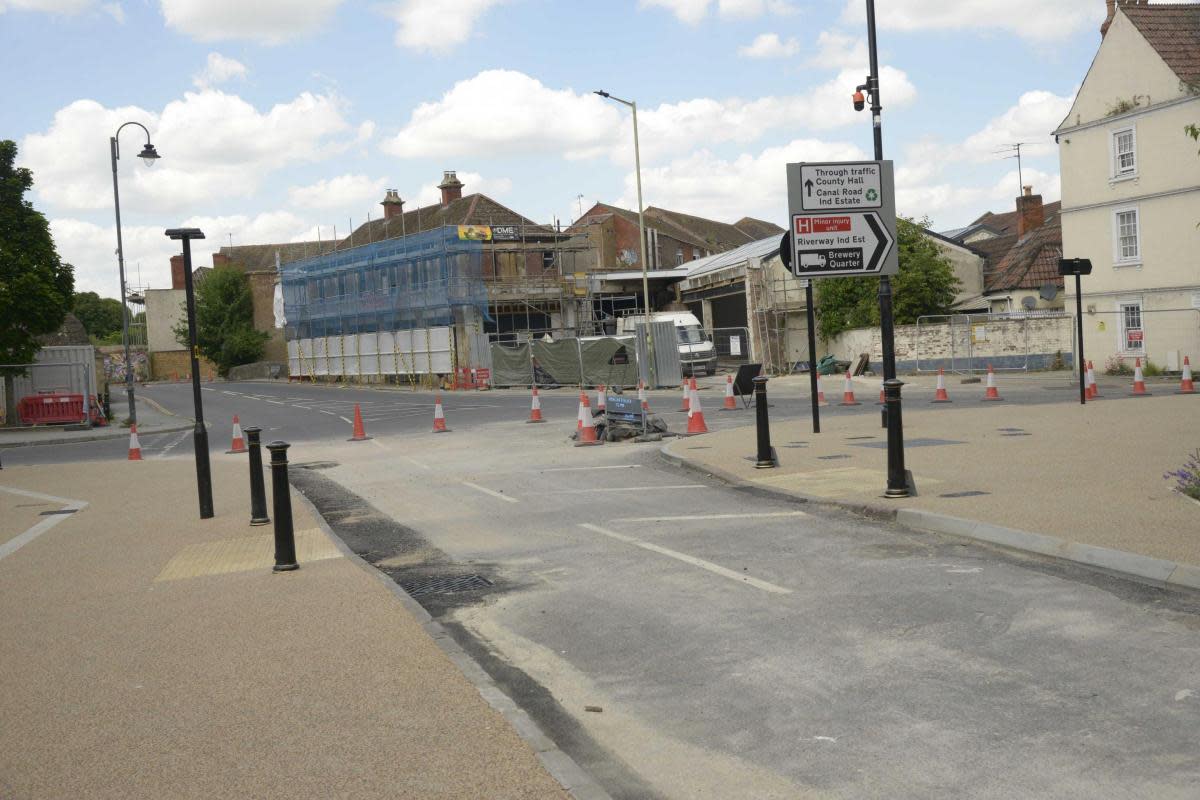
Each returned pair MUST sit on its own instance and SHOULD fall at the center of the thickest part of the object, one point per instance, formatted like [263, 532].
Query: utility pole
[897, 481]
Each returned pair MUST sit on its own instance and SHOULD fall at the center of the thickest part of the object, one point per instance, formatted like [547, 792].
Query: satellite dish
[1048, 291]
[1030, 303]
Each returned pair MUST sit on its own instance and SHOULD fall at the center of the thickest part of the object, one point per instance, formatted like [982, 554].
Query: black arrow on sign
[808, 184]
[883, 243]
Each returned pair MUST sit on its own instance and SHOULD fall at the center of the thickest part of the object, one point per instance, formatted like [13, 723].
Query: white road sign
[840, 244]
[843, 219]
[840, 187]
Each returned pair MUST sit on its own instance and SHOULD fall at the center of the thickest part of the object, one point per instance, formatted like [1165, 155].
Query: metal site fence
[732, 344]
[971, 343]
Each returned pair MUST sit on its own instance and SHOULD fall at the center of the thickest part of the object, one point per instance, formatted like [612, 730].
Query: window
[1124, 153]
[1132, 334]
[678, 256]
[1127, 247]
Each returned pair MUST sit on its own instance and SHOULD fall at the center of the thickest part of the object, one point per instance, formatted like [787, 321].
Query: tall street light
[637, 160]
[148, 155]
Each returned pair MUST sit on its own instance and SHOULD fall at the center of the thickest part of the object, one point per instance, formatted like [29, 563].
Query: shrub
[1115, 365]
[1150, 369]
[1187, 477]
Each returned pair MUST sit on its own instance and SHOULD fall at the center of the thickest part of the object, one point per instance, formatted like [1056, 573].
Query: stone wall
[167, 365]
[1006, 342]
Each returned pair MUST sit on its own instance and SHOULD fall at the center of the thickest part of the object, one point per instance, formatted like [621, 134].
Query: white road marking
[418, 463]
[224, 391]
[581, 469]
[689, 517]
[166, 449]
[330, 413]
[629, 489]
[206, 389]
[17, 542]
[493, 493]
[347, 421]
[273, 402]
[377, 444]
[716, 569]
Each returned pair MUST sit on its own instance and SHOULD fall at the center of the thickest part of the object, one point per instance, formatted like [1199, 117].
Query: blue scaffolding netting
[399, 284]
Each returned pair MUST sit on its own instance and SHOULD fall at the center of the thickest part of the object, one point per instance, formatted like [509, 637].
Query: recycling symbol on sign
[872, 195]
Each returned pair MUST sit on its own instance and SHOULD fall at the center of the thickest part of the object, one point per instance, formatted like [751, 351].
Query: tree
[101, 316]
[926, 284]
[35, 285]
[225, 331]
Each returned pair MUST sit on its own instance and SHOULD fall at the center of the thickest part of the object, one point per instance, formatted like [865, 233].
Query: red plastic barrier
[47, 409]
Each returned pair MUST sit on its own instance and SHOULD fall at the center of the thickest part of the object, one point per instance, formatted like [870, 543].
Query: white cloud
[839, 51]
[953, 205]
[115, 11]
[501, 112]
[769, 45]
[1030, 121]
[688, 11]
[342, 192]
[436, 26]
[263, 21]
[473, 182]
[213, 146]
[219, 69]
[526, 117]
[1031, 19]
[92, 248]
[754, 185]
[64, 7]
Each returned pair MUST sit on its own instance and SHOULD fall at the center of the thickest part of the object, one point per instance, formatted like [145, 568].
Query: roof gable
[1025, 263]
[1173, 30]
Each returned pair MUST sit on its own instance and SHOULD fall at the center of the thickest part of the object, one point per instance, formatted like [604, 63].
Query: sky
[278, 120]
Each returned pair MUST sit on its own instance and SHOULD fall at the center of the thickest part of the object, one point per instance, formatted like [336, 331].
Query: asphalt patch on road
[407, 557]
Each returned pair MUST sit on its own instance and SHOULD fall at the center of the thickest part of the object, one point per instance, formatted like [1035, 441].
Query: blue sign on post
[622, 407]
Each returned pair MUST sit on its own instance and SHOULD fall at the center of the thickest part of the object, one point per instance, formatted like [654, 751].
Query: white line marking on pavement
[206, 389]
[17, 542]
[347, 421]
[629, 489]
[224, 391]
[493, 493]
[166, 449]
[330, 413]
[581, 469]
[418, 463]
[272, 402]
[687, 517]
[377, 443]
[716, 569]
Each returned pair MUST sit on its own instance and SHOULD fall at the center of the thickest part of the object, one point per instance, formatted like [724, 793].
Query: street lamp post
[148, 155]
[637, 161]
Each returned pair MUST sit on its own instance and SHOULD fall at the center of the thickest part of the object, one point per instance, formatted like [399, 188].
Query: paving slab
[1086, 475]
[151, 654]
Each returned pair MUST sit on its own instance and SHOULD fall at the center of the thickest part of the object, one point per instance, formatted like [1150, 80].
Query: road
[737, 645]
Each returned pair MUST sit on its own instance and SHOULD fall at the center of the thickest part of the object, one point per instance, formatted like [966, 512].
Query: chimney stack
[1030, 212]
[451, 187]
[393, 206]
[177, 273]
[1112, 12]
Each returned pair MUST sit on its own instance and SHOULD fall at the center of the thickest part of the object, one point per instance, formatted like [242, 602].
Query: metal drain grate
[963, 494]
[1022, 433]
[832, 458]
[853, 438]
[445, 584]
[60, 511]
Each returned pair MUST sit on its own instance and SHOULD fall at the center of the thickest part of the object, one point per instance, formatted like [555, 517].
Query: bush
[1187, 477]
[1150, 369]
[1115, 365]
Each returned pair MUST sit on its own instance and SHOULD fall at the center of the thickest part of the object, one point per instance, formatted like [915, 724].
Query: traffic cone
[821, 401]
[848, 393]
[696, 414]
[940, 395]
[135, 448]
[601, 404]
[642, 396]
[1093, 390]
[1185, 383]
[360, 433]
[587, 433]
[239, 444]
[992, 392]
[882, 397]
[535, 408]
[1139, 383]
[579, 414]
[730, 400]
[439, 417]
[687, 395]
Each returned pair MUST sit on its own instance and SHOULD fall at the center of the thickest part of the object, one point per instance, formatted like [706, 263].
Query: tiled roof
[257, 257]
[1028, 263]
[1006, 223]
[473, 209]
[708, 233]
[1173, 30]
[758, 228]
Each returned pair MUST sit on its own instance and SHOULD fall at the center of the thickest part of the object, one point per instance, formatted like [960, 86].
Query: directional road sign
[843, 219]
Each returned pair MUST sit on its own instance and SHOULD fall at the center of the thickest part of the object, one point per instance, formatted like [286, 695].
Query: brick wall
[1004, 342]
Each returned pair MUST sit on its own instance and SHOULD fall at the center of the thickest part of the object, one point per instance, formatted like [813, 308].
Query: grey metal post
[765, 458]
[1079, 329]
[112, 146]
[812, 357]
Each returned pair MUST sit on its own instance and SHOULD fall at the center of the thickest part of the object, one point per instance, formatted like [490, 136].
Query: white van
[696, 350]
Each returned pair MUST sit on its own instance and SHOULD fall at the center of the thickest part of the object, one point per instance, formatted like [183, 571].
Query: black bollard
[285, 539]
[766, 459]
[897, 483]
[258, 492]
